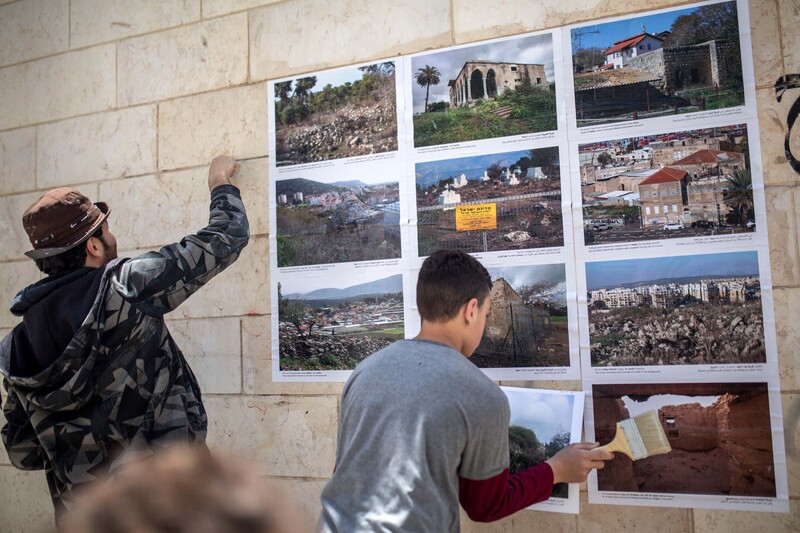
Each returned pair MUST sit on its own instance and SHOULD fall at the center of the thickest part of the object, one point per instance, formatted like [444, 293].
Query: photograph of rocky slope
[336, 114]
[682, 310]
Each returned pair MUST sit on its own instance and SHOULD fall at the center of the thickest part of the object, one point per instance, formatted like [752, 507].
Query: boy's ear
[471, 310]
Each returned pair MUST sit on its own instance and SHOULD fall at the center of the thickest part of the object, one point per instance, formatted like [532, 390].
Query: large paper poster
[607, 174]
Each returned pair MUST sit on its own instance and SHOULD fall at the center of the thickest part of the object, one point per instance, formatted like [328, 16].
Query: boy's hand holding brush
[573, 463]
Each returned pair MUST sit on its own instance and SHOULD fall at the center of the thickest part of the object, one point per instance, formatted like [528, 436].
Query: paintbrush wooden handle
[618, 444]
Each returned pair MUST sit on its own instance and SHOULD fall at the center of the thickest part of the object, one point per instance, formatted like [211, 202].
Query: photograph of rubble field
[484, 91]
[666, 63]
[338, 221]
[540, 428]
[325, 325]
[720, 436]
[523, 188]
[528, 323]
[335, 114]
[664, 186]
[680, 310]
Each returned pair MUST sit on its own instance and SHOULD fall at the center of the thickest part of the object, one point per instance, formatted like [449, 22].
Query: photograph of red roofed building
[667, 185]
[664, 63]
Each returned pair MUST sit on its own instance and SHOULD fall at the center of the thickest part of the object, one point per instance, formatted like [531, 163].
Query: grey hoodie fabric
[92, 371]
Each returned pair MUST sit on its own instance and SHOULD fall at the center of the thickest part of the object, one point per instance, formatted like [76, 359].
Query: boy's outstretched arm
[487, 500]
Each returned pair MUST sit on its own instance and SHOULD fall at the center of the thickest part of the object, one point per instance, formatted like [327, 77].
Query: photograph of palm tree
[667, 185]
[677, 61]
[484, 91]
[334, 114]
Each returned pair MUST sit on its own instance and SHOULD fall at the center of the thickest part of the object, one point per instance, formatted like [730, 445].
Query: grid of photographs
[608, 175]
[674, 287]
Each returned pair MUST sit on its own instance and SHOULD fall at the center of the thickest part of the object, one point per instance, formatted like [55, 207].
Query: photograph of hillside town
[537, 431]
[719, 433]
[672, 62]
[679, 310]
[666, 186]
[341, 221]
[528, 323]
[484, 91]
[522, 189]
[325, 325]
[335, 114]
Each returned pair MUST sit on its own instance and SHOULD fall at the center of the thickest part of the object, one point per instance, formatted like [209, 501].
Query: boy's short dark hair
[447, 280]
[69, 260]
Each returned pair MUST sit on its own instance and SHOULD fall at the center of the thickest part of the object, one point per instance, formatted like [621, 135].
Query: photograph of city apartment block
[720, 436]
[667, 185]
[674, 62]
[680, 310]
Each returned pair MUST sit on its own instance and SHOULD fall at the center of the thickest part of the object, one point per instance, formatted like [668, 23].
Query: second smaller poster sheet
[542, 423]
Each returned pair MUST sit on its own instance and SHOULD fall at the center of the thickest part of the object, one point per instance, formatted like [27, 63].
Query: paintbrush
[639, 437]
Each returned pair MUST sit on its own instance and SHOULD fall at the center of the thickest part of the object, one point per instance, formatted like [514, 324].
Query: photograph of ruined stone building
[482, 80]
[687, 65]
[484, 91]
[527, 326]
[720, 436]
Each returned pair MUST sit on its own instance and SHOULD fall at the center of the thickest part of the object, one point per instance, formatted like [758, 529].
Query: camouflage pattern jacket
[121, 384]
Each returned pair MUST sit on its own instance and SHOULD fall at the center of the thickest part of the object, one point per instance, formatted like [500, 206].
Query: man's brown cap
[61, 220]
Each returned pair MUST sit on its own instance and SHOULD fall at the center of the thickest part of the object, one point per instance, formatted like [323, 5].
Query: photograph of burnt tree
[528, 323]
[338, 221]
[336, 114]
[484, 91]
[679, 61]
[720, 436]
[537, 429]
[523, 189]
[335, 326]
[681, 310]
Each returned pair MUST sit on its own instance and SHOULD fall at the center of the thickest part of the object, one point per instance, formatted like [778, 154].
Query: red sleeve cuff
[486, 500]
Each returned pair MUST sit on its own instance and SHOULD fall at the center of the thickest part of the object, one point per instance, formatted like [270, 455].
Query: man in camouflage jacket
[93, 376]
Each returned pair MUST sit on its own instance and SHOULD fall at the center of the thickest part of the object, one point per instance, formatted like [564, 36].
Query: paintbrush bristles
[639, 437]
[652, 434]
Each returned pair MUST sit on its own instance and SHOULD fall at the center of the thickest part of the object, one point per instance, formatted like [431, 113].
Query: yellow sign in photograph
[476, 217]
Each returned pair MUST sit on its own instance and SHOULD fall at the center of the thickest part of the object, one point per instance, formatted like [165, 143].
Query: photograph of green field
[330, 324]
[667, 63]
[329, 221]
[484, 91]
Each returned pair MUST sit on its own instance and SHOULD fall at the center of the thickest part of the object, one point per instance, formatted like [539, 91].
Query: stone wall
[128, 100]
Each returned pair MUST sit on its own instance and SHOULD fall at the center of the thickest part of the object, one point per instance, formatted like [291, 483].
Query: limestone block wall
[128, 100]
